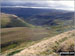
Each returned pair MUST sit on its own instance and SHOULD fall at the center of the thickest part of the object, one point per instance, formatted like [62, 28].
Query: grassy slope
[9, 20]
[23, 36]
[51, 45]
[18, 35]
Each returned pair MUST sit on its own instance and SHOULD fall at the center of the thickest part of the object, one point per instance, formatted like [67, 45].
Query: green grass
[8, 20]
[22, 46]
[10, 54]
[63, 39]
[8, 46]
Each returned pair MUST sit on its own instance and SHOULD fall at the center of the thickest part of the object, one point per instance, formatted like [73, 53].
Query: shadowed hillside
[51, 19]
[27, 12]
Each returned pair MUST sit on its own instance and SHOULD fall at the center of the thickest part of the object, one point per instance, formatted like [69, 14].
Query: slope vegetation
[49, 19]
[9, 20]
[52, 45]
[12, 37]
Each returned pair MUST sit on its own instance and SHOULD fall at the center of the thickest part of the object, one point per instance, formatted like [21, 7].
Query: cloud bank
[63, 5]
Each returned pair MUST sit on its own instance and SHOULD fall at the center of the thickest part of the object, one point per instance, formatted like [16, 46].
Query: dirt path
[44, 45]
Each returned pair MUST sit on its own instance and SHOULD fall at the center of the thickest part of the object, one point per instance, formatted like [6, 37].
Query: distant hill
[48, 19]
[27, 12]
[41, 17]
[10, 20]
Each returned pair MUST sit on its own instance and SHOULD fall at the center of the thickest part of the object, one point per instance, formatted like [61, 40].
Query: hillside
[27, 12]
[10, 20]
[16, 33]
[42, 17]
[51, 18]
[36, 28]
[51, 45]
[21, 36]
[36, 31]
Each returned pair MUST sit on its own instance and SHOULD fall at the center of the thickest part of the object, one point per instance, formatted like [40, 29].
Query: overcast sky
[64, 5]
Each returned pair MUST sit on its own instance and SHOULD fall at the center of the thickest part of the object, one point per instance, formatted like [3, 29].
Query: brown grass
[13, 37]
[45, 45]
